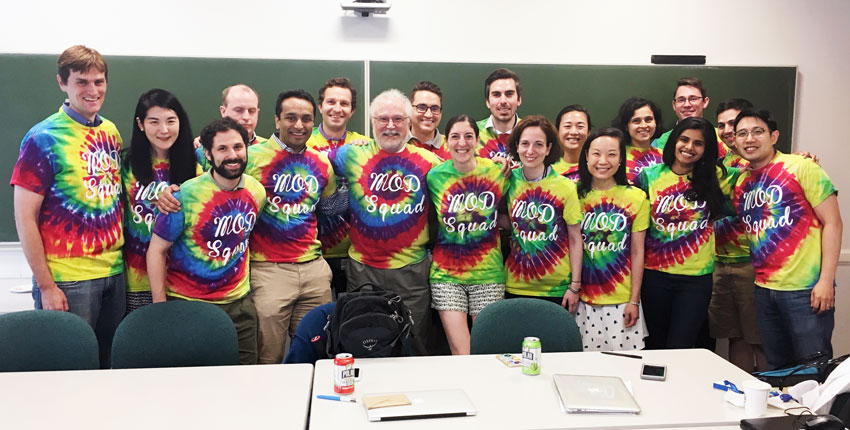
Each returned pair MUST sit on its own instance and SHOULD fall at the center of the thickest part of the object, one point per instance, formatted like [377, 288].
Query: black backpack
[368, 324]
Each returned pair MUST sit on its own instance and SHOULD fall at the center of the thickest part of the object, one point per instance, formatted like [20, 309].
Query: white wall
[812, 35]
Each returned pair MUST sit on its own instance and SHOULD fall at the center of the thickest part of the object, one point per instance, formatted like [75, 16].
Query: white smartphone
[653, 372]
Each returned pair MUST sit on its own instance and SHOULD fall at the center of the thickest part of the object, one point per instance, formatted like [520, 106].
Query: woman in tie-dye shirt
[613, 229]
[573, 124]
[467, 272]
[545, 258]
[160, 154]
[686, 194]
[639, 120]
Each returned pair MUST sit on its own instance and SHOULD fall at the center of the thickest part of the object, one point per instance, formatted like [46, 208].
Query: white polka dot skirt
[602, 328]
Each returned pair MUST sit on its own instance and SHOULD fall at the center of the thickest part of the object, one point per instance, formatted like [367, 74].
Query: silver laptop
[604, 394]
[425, 404]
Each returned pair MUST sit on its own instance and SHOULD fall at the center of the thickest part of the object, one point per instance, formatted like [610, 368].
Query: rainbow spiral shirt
[333, 231]
[776, 204]
[610, 217]
[442, 152]
[731, 243]
[638, 159]
[286, 231]
[567, 170]
[681, 235]
[468, 248]
[539, 264]
[389, 204]
[77, 170]
[492, 144]
[139, 216]
[209, 255]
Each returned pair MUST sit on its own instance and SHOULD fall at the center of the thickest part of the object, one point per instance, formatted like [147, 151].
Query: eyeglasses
[385, 120]
[692, 99]
[433, 108]
[757, 133]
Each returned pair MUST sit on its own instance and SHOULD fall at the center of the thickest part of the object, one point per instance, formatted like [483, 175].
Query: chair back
[501, 326]
[41, 340]
[176, 333]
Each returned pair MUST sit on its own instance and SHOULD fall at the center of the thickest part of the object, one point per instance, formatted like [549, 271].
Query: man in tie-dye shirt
[690, 99]
[337, 103]
[427, 100]
[68, 202]
[389, 210]
[289, 277]
[208, 237]
[790, 211]
[503, 96]
[242, 104]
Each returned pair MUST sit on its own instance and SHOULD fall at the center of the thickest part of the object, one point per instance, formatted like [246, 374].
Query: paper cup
[755, 392]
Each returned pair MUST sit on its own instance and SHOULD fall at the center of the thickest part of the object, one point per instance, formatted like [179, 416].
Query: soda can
[344, 373]
[531, 352]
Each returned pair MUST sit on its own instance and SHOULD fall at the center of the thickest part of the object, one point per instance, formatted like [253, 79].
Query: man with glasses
[389, 207]
[503, 96]
[427, 100]
[337, 103]
[790, 209]
[689, 100]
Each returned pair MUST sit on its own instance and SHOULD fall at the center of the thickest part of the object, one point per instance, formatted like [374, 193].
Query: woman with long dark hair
[686, 194]
[467, 272]
[613, 229]
[160, 153]
[639, 120]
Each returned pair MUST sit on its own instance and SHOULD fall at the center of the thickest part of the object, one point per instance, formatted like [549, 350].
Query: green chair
[501, 327]
[40, 340]
[176, 333]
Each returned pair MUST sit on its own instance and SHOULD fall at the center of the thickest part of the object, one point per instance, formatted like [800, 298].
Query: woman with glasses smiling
[686, 194]
[467, 272]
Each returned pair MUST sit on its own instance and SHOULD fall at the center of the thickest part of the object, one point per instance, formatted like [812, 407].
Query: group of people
[645, 236]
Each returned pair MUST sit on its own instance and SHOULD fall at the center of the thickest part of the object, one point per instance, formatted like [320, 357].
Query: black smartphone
[653, 372]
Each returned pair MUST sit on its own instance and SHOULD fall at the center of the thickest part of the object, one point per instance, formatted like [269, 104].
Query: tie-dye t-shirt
[777, 205]
[567, 170]
[139, 215]
[638, 159]
[388, 202]
[468, 249]
[490, 142]
[333, 230]
[209, 255]
[442, 152]
[731, 243]
[78, 171]
[286, 230]
[681, 235]
[610, 217]
[539, 264]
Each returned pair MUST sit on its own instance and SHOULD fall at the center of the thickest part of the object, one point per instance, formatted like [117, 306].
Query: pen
[337, 398]
[620, 354]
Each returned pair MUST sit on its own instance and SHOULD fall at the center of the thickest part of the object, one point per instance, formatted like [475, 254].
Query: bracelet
[575, 282]
[574, 291]
[635, 303]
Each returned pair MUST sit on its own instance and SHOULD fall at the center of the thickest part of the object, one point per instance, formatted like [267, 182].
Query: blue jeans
[100, 302]
[789, 329]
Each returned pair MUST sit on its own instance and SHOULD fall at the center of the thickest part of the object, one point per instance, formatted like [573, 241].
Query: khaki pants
[244, 318]
[283, 294]
[411, 283]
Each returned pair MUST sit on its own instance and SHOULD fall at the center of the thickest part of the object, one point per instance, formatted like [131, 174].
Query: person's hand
[197, 142]
[630, 315]
[823, 297]
[808, 155]
[570, 301]
[166, 203]
[359, 142]
[52, 298]
[504, 162]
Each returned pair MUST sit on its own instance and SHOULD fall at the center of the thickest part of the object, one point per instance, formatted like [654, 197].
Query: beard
[228, 174]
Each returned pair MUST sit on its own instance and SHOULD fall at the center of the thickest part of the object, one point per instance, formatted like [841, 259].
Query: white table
[505, 398]
[223, 397]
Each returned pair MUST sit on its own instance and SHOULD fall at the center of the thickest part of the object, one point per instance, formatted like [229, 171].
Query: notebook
[604, 394]
[425, 404]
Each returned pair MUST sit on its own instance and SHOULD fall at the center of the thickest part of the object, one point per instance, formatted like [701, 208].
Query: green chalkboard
[601, 89]
[29, 93]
